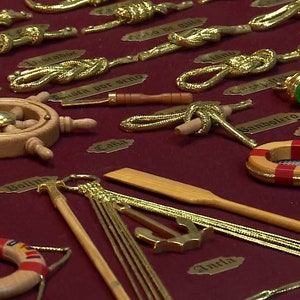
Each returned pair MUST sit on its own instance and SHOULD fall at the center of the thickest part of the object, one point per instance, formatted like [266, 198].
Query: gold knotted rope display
[36, 78]
[258, 62]
[137, 12]
[197, 118]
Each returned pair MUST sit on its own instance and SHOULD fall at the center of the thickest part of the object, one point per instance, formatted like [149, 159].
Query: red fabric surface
[215, 161]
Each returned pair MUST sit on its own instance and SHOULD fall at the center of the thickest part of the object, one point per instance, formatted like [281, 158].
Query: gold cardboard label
[98, 87]
[153, 32]
[51, 58]
[267, 123]
[216, 57]
[269, 3]
[110, 146]
[15, 32]
[258, 85]
[25, 185]
[108, 10]
[216, 265]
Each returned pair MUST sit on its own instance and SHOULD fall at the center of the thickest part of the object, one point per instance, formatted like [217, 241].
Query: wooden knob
[67, 124]
[35, 146]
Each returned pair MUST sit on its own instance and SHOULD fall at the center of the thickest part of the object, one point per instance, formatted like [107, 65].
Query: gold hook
[63, 6]
[267, 21]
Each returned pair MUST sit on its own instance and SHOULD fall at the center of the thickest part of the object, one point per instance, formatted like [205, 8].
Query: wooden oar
[195, 195]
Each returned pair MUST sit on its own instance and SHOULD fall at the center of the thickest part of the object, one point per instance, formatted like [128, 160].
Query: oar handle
[194, 195]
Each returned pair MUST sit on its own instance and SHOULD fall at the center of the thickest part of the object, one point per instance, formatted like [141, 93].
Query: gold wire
[119, 236]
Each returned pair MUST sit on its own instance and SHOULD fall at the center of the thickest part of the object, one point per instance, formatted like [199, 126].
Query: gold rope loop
[267, 21]
[156, 121]
[240, 65]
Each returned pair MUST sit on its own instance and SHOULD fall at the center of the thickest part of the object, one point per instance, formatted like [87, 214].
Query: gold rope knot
[201, 110]
[240, 65]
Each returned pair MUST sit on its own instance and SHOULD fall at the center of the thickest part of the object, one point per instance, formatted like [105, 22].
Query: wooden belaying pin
[137, 12]
[201, 126]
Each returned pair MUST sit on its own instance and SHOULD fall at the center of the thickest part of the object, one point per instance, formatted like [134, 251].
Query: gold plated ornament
[137, 12]
[35, 78]
[270, 20]
[258, 62]
[197, 118]
[32, 36]
[289, 90]
[62, 73]
[9, 16]
[63, 6]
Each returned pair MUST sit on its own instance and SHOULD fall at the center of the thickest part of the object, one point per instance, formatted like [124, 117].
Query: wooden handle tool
[60, 202]
[195, 195]
[115, 99]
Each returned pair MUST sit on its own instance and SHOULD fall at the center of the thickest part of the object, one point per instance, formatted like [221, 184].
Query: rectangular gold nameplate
[216, 265]
[25, 185]
[51, 58]
[267, 123]
[98, 87]
[111, 145]
[258, 85]
[216, 57]
[153, 32]
[269, 3]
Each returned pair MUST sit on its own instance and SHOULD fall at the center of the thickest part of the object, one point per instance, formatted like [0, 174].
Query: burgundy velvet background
[215, 161]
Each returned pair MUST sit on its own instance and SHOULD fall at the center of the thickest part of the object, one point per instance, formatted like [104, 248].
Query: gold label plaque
[269, 3]
[267, 123]
[110, 146]
[25, 185]
[257, 85]
[216, 57]
[51, 58]
[153, 32]
[216, 265]
[98, 87]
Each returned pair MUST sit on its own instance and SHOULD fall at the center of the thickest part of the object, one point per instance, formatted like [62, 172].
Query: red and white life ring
[31, 270]
[264, 162]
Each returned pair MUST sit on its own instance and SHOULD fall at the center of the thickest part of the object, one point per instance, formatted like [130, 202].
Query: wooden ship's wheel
[28, 126]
